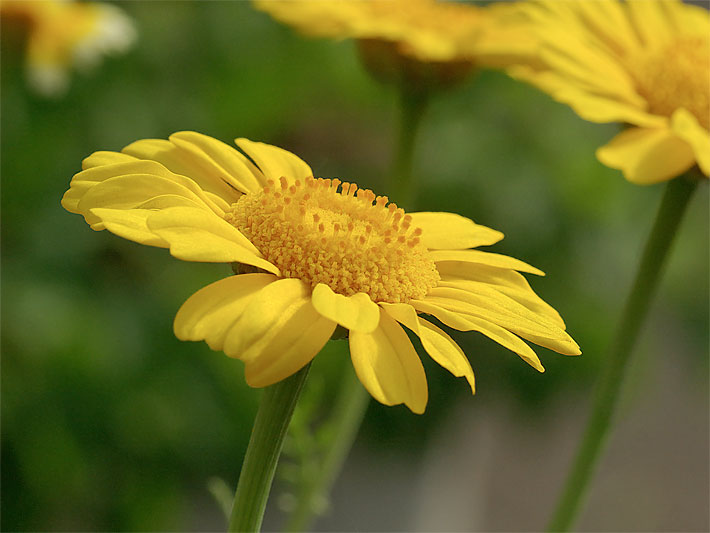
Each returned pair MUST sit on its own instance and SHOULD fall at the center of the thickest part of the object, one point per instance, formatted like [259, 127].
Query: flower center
[676, 76]
[350, 240]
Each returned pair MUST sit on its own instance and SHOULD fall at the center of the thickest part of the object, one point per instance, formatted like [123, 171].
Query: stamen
[322, 235]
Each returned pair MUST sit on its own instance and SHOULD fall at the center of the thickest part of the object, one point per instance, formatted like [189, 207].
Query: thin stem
[412, 105]
[670, 213]
[267, 436]
[345, 420]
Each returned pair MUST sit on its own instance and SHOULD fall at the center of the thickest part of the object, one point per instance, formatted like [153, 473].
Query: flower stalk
[413, 102]
[270, 427]
[676, 197]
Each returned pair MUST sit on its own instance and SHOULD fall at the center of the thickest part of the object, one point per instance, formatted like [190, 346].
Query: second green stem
[412, 105]
[670, 213]
[344, 419]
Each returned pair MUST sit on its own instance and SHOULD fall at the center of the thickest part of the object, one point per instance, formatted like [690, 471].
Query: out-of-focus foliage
[109, 422]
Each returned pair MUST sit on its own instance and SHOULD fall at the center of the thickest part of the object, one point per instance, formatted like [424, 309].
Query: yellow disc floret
[676, 76]
[350, 239]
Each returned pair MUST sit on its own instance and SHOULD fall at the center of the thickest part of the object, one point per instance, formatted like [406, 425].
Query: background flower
[429, 40]
[645, 63]
[62, 35]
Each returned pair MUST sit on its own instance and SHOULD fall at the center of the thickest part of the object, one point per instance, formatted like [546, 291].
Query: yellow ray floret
[316, 254]
[642, 63]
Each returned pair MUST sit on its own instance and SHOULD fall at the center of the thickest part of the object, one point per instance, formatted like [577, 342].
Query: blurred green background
[110, 423]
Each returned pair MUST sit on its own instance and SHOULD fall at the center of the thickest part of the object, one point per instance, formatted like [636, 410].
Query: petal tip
[416, 408]
[355, 313]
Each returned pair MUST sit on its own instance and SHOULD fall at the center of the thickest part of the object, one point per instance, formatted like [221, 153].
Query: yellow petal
[647, 156]
[590, 68]
[608, 18]
[101, 158]
[166, 201]
[651, 21]
[495, 308]
[483, 258]
[561, 343]
[226, 159]
[83, 181]
[211, 312]
[298, 341]
[126, 185]
[356, 312]
[98, 173]
[222, 205]
[129, 224]
[489, 329]
[507, 313]
[590, 102]
[512, 305]
[200, 235]
[686, 126]
[450, 231]
[483, 273]
[275, 162]
[524, 296]
[130, 191]
[280, 309]
[691, 20]
[388, 366]
[603, 109]
[77, 190]
[190, 161]
[438, 344]
[320, 18]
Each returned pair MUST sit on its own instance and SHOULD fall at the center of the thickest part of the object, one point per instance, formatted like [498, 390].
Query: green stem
[272, 419]
[412, 105]
[670, 213]
[345, 420]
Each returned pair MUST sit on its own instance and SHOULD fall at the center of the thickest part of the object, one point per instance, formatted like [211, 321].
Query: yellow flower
[319, 254]
[644, 63]
[452, 36]
[65, 34]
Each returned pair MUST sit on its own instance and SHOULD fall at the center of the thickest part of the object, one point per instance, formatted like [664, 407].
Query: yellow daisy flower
[451, 35]
[318, 254]
[644, 63]
[65, 34]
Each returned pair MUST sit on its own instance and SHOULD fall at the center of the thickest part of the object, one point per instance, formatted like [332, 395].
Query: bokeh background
[110, 423]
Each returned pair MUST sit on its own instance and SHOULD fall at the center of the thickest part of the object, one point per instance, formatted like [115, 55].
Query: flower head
[66, 34]
[416, 36]
[319, 254]
[645, 63]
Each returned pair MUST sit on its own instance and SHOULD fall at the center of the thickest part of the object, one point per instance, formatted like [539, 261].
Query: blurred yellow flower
[316, 254]
[431, 32]
[644, 63]
[66, 34]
